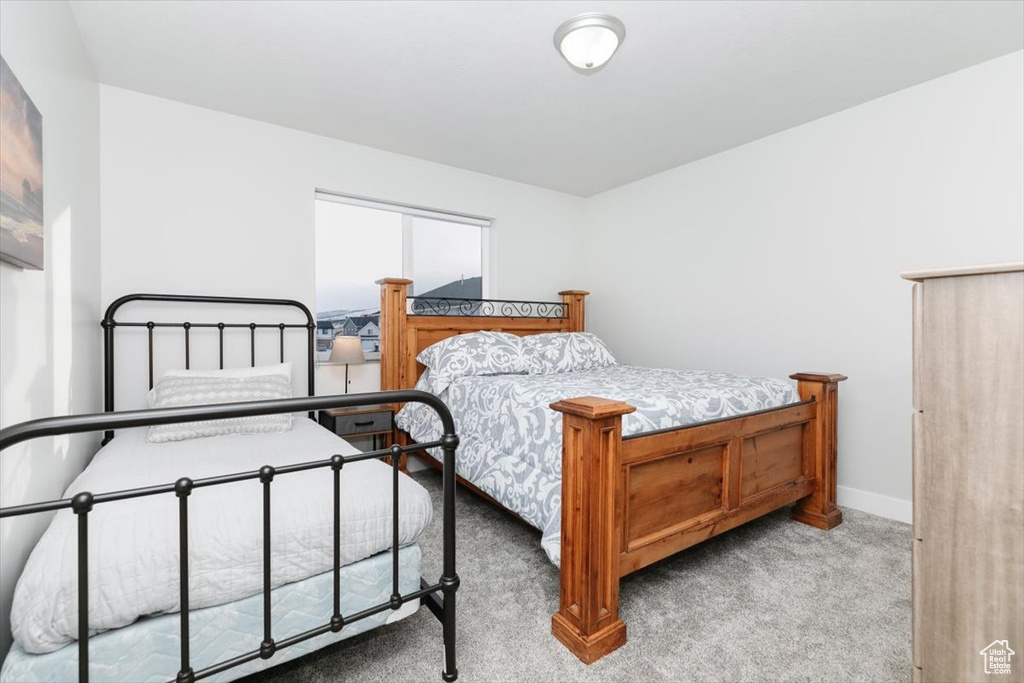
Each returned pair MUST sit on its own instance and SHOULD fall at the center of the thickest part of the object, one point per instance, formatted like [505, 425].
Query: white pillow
[553, 352]
[177, 390]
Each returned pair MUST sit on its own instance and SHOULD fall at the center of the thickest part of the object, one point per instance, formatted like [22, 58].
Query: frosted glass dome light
[589, 40]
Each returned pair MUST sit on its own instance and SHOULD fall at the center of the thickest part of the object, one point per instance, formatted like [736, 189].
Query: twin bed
[282, 539]
[617, 466]
[133, 567]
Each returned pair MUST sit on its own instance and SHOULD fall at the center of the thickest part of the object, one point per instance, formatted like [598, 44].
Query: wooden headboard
[403, 334]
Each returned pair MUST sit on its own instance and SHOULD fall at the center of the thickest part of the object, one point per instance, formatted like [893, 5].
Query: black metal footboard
[439, 597]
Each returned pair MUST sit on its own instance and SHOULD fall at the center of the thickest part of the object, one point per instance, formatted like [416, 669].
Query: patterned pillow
[256, 371]
[192, 390]
[565, 352]
[476, 353]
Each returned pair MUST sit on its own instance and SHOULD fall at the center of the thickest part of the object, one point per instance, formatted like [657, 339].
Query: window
[360, 241]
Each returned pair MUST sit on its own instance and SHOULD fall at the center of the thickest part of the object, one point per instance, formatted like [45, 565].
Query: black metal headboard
[110, 324]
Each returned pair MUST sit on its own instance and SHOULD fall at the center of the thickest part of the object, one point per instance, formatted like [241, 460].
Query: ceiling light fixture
[589, 40]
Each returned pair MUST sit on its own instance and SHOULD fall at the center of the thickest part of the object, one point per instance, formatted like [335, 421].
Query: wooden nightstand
[373, 421]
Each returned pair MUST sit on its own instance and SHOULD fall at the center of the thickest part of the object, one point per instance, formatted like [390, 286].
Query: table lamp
[347, 350]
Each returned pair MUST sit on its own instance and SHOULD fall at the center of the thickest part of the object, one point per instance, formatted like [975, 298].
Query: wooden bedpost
[587, 621]
[392, 332]
[819, 509]
[575, 302]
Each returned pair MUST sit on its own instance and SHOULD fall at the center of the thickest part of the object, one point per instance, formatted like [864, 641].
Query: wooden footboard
[627, 503]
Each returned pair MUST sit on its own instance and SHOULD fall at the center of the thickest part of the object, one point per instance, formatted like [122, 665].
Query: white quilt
[133, 544]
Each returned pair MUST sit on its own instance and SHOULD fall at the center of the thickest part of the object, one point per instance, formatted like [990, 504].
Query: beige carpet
[773, 600]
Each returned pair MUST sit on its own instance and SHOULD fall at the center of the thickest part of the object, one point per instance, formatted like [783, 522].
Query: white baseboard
[876, 504]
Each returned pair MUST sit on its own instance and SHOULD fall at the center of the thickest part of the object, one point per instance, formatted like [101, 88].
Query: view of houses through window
[357, 245]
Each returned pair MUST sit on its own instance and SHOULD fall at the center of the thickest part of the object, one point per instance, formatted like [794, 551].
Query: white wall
[779, 256]
[784, 255]
[196, 201]
[49, 336]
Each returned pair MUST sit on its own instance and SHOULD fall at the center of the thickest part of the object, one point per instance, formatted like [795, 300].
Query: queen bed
[282, 539]
[511, 441]
[618, 466]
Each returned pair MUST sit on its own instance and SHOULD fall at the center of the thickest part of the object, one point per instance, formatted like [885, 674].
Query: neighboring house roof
[361, 321]
[1003, 644]
[464, 288]
[347, 327]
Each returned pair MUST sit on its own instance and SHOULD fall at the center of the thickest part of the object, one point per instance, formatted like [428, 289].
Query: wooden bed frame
[629, 502]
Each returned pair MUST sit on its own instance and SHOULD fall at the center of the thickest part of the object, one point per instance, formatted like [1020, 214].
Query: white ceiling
[480, 86]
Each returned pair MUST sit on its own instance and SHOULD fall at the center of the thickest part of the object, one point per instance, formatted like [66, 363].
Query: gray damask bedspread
[511, 441]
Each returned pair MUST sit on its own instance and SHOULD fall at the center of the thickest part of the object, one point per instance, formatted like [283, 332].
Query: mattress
[149, 649]
[510, 441]
[133, 544]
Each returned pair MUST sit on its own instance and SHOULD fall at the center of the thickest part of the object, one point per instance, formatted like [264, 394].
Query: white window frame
[408, 212]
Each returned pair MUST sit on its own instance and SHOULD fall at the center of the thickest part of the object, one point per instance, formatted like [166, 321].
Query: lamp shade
[347, 350]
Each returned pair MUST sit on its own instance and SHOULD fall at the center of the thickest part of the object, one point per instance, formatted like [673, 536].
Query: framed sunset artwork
[21, 174]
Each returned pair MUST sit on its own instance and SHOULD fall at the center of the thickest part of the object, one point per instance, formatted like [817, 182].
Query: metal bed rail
[439, 597]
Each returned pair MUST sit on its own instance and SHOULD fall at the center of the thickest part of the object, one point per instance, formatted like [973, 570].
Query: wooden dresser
[968, 422]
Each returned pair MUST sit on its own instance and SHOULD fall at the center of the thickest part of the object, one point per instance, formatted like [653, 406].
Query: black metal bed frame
[439, 597]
